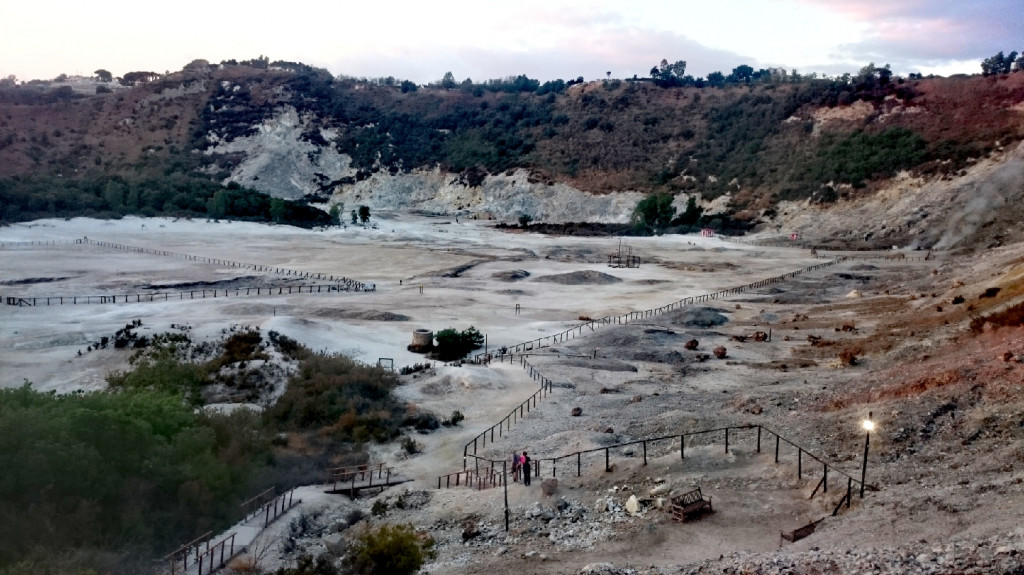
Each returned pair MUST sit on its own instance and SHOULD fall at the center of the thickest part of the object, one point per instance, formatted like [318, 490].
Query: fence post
[606, 466]
[824, 478]
[759, 439]
[776, 448]
[799, 463]
[578, 466]
[645, 452]
[727, 440]
[682, 446]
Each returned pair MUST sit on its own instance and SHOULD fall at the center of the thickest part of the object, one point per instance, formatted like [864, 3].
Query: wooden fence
[576, 458]
[628, 317]
[354, 285]
[174, 295]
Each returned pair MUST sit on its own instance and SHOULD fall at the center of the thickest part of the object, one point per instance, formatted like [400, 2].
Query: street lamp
[869, 426]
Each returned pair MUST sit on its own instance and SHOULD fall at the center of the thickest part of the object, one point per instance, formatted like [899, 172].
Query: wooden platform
[351, 480]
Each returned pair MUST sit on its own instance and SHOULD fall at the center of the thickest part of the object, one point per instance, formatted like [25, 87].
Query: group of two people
[521, 464]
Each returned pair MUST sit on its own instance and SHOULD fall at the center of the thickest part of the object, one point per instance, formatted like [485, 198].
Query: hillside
[558, 152]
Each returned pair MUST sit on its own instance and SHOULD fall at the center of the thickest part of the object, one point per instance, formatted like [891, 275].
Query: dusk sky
[483, 39]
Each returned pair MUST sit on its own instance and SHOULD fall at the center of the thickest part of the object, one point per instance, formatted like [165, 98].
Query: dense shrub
[453, 344]
[342, 398]
[138, 471]
[388, 549]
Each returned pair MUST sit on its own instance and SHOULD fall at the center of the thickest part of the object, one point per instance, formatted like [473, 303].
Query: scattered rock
[692, 344]
[719, 352]
[470, 530]
[577, 411]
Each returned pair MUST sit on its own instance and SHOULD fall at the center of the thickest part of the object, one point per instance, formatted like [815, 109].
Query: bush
[453, 344]
[307, 566]
[380, 507]
[390, 549]
[410, 446]
[340, 398]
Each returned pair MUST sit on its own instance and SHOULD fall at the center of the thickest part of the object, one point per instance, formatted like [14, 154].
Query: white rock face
[279, 163]
[503, 197]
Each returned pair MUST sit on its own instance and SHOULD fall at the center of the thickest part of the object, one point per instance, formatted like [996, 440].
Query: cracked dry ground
[948, 453]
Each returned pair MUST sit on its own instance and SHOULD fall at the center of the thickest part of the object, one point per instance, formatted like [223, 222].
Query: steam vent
[422, 341]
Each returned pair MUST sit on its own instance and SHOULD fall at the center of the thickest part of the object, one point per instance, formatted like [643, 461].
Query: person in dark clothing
[526, 468]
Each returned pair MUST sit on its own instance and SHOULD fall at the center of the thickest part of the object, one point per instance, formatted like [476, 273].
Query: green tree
[716, 79]
[364, 214]
[335, 213]
[355, 217]
[653, 213]
[448, 82]
[525, 219]
[388, 550]
[692, 214]
[219, 205]
[278, 210]
[454, 344]
[103, 75]
[667, 75]
[998, 64]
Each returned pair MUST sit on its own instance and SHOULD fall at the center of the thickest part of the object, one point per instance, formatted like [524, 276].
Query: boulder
[549, 486]
[660, 490]
[692, 344]
[632, 505]
[720, 352]
[577, 411]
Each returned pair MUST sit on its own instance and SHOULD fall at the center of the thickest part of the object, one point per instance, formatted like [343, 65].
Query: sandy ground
[40, 344]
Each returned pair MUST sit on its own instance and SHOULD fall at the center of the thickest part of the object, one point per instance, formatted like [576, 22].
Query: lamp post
[868, 427]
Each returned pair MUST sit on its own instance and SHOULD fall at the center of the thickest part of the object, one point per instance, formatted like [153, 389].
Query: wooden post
[824, 478]
[776, 448]
[759, 439]
[799, 463]
[504, 481]
[727, 440]
[606, 466]
[682, 446]
[645, 452]
[578, 466]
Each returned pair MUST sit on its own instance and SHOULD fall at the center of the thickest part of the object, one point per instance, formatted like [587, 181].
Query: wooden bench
[799, 533]
[689, 504]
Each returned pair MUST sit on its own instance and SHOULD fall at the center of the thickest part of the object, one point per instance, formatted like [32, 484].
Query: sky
[421, 40]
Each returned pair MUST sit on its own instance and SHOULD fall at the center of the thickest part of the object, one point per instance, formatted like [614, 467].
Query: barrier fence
[173, 295]
[354, 284]
[520, 411]
[576, 459]
[627, 317]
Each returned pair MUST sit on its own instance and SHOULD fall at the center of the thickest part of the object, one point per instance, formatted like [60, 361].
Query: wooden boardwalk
[351, 480]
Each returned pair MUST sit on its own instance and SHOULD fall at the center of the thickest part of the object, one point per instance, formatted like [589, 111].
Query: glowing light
[868, 425]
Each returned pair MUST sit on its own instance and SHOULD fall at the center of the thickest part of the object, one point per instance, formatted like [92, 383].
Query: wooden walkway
[351, 480]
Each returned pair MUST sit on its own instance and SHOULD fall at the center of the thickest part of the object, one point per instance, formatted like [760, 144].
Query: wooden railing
[358, 473]
[174, 295]
[632, 316]
[189, 553]
[680, 439]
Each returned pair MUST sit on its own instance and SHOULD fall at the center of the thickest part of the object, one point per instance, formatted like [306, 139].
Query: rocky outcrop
[503, 197]
[278, 161]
